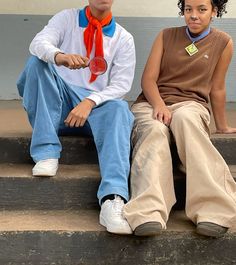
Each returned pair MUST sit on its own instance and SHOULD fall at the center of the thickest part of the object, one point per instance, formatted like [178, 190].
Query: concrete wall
[126, 8]
[21, 20]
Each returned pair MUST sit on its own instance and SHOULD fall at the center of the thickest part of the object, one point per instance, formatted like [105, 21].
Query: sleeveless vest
[184, 77]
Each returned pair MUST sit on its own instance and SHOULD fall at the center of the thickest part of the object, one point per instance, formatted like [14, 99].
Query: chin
[104, 7]
[195, 29]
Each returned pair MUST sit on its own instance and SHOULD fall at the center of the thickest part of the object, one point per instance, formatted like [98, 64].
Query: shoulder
[221, 35]
[220, 39]
[66, 14]
[170, 34]
[173, 30]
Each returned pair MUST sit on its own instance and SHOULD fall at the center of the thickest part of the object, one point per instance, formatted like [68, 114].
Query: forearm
[151, 92]
[44, 50]
[218, 99]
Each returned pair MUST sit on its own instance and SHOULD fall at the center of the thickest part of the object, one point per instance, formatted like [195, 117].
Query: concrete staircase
[55, 220]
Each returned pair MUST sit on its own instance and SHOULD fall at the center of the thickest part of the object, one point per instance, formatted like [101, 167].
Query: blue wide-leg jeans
[48, 99]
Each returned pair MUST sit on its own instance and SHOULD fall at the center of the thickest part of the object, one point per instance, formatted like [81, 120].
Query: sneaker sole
[43, 174]
[205, 231]
[148, 229]
[112, 229]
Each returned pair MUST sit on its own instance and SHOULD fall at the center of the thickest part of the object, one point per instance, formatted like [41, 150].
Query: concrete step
[76, 150]
[75, 237]
[74, 187]
[15, 133]
[81, 150]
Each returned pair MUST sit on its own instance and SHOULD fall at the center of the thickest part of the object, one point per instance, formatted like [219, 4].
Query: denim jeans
[48, 99]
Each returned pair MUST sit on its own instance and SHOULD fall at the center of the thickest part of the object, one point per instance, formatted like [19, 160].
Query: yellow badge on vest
[191, 49]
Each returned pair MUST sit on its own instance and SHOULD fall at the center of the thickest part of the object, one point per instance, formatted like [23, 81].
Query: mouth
[194, 25]
[104, 2]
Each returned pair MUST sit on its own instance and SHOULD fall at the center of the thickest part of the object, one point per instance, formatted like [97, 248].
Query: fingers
[74, 61]
[167, 119]
[78, 116]
[74, 121]
[227, 130]
[162, 116]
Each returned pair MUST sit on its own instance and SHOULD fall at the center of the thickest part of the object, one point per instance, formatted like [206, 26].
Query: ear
[214, 12]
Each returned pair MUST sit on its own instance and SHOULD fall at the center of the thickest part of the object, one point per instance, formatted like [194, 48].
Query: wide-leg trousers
[48, 99]
[210, 188]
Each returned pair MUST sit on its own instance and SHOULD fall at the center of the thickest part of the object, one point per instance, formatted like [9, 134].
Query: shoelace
[118, 204]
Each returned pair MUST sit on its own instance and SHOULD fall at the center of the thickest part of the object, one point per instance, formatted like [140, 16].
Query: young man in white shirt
[60, 92]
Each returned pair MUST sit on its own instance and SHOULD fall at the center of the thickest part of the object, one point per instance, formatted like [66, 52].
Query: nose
[194, 16]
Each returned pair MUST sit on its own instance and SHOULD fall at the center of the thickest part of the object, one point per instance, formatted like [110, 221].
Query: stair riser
[75, 150]
[101, 248]
[53, 194]
[48, 193]
[227, 148]
[82, 150]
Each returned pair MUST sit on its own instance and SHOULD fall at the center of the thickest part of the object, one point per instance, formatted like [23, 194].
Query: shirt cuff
[96, 98]
[52, 54]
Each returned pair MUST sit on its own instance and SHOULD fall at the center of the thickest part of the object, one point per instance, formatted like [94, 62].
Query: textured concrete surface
[54, 221]
[14, 121]
[76, 238]
[77, 221]
[74, 187]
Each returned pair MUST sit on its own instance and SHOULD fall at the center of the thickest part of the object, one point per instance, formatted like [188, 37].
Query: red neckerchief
[95, 25]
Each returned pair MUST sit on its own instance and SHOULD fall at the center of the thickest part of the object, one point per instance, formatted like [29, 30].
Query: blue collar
[201, 36]
[108, 30]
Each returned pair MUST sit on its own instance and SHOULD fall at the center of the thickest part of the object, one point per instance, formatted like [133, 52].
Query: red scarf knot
[94, 28]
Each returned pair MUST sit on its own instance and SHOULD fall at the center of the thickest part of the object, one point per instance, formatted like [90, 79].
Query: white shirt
[63, 34]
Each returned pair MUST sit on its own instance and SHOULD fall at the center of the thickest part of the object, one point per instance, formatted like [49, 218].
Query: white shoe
[46, 168]
[111, 216]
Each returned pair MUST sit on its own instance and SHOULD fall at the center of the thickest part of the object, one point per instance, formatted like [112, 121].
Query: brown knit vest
[183, 77]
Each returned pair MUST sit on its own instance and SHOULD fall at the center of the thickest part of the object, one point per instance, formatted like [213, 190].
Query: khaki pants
[210, 188]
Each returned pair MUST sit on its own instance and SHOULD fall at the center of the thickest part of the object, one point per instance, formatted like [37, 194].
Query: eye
[187, 10]
[202, 10]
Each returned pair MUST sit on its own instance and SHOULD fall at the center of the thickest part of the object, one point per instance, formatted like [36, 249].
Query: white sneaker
[111, 216]
[46, 168]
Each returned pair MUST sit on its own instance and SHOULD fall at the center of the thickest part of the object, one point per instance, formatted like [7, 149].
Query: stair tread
[20, 127]
[75, 221]
[64, 171]
[8, 170]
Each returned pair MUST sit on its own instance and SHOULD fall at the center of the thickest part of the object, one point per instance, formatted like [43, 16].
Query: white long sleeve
[64, 34]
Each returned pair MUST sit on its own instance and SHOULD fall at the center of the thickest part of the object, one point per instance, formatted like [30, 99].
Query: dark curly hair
[219, 4]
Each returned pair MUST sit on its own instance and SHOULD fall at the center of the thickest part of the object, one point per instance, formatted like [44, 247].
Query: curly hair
[219, 4]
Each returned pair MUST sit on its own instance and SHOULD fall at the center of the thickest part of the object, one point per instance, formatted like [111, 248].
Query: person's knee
[118, 105]
[155, 131]
[185, 118]
[34, 64]
[120, 108]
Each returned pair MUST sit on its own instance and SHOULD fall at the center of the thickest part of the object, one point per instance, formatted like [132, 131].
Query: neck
[99, 15]
[199, 36]
[194, 35]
